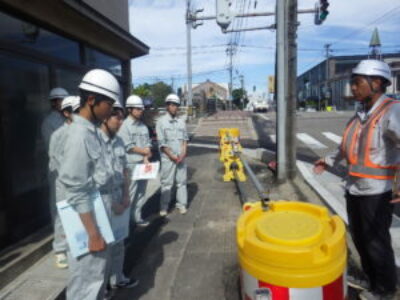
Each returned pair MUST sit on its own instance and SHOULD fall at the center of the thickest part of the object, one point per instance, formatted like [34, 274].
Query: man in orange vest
[371, 147]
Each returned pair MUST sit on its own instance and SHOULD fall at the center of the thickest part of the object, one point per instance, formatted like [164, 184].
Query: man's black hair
[98, 97]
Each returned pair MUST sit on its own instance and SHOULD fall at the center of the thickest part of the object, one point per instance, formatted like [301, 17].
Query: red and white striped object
[253, 289]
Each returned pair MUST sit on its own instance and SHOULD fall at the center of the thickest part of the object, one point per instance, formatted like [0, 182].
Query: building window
[68, 79]
[398, 82]
[97, 59]
[31, 36]
[24, 89]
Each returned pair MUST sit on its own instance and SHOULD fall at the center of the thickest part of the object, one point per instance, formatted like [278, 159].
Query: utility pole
[230, 52]
[242, 86]
[189, 57]
[282, 83]
[327, 72]
[292, 90]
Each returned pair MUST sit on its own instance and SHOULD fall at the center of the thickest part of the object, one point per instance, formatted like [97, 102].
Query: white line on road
[338, 207]
[264, 117]
[199, 145]
[273, 138]
[310, 141]
[333, 137]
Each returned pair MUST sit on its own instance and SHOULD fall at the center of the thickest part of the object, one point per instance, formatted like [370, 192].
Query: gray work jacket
[83, 169]
[50, 124]
[171, 133]
[134, 134]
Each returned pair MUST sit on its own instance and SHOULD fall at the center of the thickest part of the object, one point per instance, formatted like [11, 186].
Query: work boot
[61, 260]
[126, 284]
[369, 295]
[357, 283]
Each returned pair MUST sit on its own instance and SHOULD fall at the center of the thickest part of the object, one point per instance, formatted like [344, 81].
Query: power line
[354, 32]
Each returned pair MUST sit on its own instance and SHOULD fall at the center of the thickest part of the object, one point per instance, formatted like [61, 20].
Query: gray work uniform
[116, 161]
[171, 133]
[135, 134]
[56, 150]
[50, 124]
[83, 172]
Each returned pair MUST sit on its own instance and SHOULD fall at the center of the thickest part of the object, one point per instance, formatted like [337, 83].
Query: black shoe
[127, 284]
[142, 223]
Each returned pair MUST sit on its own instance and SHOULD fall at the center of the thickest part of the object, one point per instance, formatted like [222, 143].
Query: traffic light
[321, 11]
[224, 14]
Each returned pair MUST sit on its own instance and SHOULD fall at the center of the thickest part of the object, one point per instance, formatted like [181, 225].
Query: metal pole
[281, 43]
[327, 49]
[242, 85]
[189, 57]
[292, 90]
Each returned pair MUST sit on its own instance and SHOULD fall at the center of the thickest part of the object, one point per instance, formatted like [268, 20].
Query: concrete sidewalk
[43, 281]
[331, 188]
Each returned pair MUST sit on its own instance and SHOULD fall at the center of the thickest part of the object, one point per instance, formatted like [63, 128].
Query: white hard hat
[67, 102]
[373, 67]
[118, 104]
[173, 98]
[75, 102]
[101, 82]
[134, 101]
[58, 93]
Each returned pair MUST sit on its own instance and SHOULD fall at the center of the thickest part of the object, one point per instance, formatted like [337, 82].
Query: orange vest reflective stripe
[359, 160]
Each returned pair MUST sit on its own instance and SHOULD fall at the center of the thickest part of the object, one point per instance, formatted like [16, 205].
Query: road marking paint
[310, 141]
[264, 117]
[273, 138]
[199, 145]
[333, 137]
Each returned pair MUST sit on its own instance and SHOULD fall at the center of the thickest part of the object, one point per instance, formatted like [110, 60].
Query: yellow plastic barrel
[291, 251]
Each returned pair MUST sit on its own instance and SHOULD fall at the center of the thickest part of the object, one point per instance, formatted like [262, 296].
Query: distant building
[44, 44]
[335, 73]
[205, 91]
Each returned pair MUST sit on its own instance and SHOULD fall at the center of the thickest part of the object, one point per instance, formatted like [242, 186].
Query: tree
[142, 90]
[159, 91]
[237, 96]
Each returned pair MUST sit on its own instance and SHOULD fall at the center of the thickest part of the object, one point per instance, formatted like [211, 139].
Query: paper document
[146, 171]
[120, 225]
[77, 236]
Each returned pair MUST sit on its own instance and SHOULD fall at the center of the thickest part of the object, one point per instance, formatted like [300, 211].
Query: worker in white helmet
[69, 105]
[119, 200]
[55, 119]
[83, 172]
[51, 123]
[135, 135]
[172, 141]
[371, 147]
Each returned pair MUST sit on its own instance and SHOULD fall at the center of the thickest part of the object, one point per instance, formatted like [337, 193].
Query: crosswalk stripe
[273, 138]
[333, 137]
[310, 141]
[264, 117]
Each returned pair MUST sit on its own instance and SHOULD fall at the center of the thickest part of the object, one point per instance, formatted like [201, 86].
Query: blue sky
[161, 25]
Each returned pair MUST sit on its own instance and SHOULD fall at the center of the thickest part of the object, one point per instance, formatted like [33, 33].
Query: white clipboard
[141, 173]
[77, 237]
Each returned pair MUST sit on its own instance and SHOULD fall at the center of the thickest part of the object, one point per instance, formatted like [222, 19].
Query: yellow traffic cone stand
[291, 251]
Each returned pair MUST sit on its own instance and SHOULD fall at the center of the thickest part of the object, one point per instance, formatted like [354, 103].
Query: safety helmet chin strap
[373, 92]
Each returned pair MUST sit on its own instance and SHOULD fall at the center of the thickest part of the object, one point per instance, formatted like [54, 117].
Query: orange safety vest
[359, 162]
